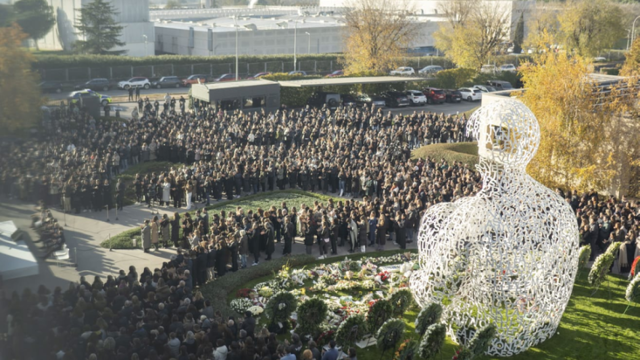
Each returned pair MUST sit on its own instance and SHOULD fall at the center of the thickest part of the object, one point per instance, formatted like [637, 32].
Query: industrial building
[137, 33]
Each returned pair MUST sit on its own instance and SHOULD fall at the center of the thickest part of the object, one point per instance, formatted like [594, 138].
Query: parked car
[167, 81]
[484, 88]
[416, 97]
[135, 82]
[94, 84]
[298, 72]
[226, 77]
[321, 98]
[430, 70]
[336, 73]
[348, 100]
[500, 84]
[452, 96]
[258, 75]
[434, 95]
[76, 95]
[508, 68]
[193, 79]
[396, 99]
[488, 69]
[470, 94]
[403, 70]
[366, 100]
[50, 86]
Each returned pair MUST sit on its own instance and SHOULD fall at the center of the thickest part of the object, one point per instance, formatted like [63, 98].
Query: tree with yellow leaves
[590, 132]
[473, 31]
[20, 101]
[377, 34]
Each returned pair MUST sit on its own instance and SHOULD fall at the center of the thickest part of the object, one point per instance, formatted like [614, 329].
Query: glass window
[255, 102]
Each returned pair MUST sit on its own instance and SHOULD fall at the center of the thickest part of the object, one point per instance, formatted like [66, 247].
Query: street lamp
[633, 29]
[309, 46]
[248, 27]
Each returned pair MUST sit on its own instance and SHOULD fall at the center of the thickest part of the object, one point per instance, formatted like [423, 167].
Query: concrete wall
[133, 15]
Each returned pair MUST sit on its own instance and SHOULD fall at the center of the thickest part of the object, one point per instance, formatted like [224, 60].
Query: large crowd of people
[359, 154]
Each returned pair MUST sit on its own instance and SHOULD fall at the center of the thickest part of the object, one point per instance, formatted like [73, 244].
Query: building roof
[235, 84]
[349, 81]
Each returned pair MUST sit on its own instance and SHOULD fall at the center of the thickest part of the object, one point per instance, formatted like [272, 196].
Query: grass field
[466, 152]
[591, 328]
[293, 198]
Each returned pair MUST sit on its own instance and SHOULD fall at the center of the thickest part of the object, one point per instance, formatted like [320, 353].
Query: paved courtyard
[84, 233]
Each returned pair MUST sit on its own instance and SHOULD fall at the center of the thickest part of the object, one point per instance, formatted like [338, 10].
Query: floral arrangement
[265, 291]
[382, 277]
[635, 267]
[428, 316]
[583, 258]
[633, 290]
[613, 248]
[481, 340]
[463, 354]
[279, 308]
[240, 305]
[389, 334]
[379, 312]
[407, 350]
[400, 301]
[325, 337]
[245, 293]
[311, 313]
[256, 310]
[600, 268]
[432, 341]
[351, 330]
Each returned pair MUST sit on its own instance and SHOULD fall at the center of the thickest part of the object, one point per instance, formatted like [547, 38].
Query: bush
[466, 152]
[453, 78]
[123, 240]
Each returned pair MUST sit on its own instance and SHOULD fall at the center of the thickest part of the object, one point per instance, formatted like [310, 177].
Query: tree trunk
[35, 41]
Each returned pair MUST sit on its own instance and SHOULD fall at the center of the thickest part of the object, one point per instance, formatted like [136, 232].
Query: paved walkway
[84, 233]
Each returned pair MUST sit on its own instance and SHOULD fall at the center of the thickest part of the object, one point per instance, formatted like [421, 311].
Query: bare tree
[377, 34]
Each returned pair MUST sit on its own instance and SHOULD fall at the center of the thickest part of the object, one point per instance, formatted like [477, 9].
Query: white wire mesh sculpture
[506, 256]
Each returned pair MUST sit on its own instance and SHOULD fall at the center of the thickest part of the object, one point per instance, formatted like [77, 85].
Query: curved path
[84, 233]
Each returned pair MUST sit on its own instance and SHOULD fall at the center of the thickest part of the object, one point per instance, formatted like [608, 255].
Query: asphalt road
[117, 92]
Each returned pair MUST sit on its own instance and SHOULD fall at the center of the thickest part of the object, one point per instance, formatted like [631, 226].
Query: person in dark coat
[249, 324]
[381, 231]
[333, 236]
[288, 231]
[211, 262]
[269, 235]
[201, 267]
[175, 229]
[221, 256]
[400, 230]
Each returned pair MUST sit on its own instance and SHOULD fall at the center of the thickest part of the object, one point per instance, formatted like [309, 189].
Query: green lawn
[465, 152]
[293, 198]
[591, 328]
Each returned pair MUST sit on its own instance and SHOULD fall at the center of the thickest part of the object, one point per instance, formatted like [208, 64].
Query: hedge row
[48, 61]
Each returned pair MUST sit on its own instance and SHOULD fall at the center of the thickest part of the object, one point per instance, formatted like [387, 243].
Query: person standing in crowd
[166, 191]
[130, 91]
[165, 230]
[138, 96]
[146, 236]
[175, 229]
[289, 235]
[154, 232]
[120, 191]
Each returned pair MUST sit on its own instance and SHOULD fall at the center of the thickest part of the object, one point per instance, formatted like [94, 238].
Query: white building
[261, 31]
[133, 16]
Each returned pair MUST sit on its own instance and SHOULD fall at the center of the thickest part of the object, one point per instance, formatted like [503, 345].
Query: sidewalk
[85, 231]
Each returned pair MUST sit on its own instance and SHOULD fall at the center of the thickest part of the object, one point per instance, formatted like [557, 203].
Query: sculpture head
[508, 133]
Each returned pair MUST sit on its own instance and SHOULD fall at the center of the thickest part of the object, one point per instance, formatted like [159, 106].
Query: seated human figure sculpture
[506, 256]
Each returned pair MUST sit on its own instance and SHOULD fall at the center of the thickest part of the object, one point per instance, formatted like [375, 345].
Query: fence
[115, 73]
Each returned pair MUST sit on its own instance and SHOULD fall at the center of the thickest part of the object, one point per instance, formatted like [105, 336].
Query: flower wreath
[379, 312]
[400, 301]
[635, 267]
[432, 341]
[583, 258]
[351, 330]
[240, 305]
[633, 290]
[407, 350]
[279, 308]
[311, 314]
[428, 316]
[481, 340]
[389, 334]
[600, 268]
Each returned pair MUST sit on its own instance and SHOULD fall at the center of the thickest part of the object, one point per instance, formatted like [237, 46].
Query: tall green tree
[35, 18]
[518, 38]
[100, 30]
[6, 15]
